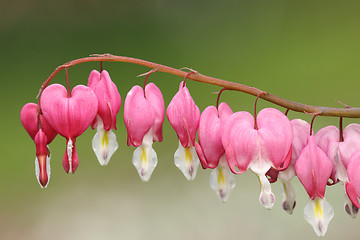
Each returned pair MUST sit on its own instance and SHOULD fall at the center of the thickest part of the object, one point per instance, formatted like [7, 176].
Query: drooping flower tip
[42, 161]
[258, 149]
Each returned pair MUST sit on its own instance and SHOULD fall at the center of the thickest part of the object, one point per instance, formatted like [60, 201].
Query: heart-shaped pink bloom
[313, 169]
[258, 149]
[109, 101]
[270, 143]
[141, 112]
[351, 142]
[210, 148]
[108, 97]
[353, 184]
[143, 116]
[184, 117]
[29, 120]
[69, 116]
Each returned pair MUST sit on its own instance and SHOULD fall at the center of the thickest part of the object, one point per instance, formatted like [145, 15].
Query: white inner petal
[289, 198]
[69, 153]
[104, 144]
[222, 181]
[260, 166]
[145, 158]
[318, 213]
[187, 161]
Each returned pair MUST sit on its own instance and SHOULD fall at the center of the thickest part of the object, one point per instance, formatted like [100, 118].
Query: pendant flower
[184, 117]
[313, 169]
[301, 132]
[69, 116]
[258, 148]
[329, 140]
[211, 151]
[144, 116]
[42, 137]
[109, 101]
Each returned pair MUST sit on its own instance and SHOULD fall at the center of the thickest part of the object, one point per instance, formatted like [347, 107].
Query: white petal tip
[267, 199]
[222, 181]
[104, 145]
[187, 161]
[318, 213]
[351, 209]
[289, 205]
[145, 161]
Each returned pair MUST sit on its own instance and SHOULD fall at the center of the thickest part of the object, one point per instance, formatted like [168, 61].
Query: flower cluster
[267, 143]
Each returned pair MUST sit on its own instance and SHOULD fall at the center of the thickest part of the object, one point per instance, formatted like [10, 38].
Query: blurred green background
[304, 51]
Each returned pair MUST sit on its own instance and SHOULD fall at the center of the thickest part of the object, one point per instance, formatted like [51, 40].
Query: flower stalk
[195, 76]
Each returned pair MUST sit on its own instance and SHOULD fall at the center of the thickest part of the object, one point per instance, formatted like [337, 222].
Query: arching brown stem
[297, 107]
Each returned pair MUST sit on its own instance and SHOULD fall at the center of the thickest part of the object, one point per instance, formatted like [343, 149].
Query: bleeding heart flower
[210, 149]
[42, 137]
[268, 145]
[69, 116]
[144, 116]
[353, 184]
[329, 140]
[184, 117]
[313, 169]
[109, 101]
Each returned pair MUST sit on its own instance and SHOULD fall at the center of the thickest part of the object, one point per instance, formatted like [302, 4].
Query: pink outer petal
[351, 142]
[139, 116]
[353, 171]
[108, 98]
[327, 139]
[210, 136]
[184, 116]
[301, 132]
[94, 79]
[313, 169]
[275, 136]
[70, 117]
[28, 117]
[224, 112]
[156, 100]
[201, 156]
[351, 192]
[41, 143]
[240, 141]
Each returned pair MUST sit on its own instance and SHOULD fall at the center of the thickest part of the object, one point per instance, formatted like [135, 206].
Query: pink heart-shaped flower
[69, 116]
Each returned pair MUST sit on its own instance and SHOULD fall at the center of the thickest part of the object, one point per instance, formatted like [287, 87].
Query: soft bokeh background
[305, 51]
